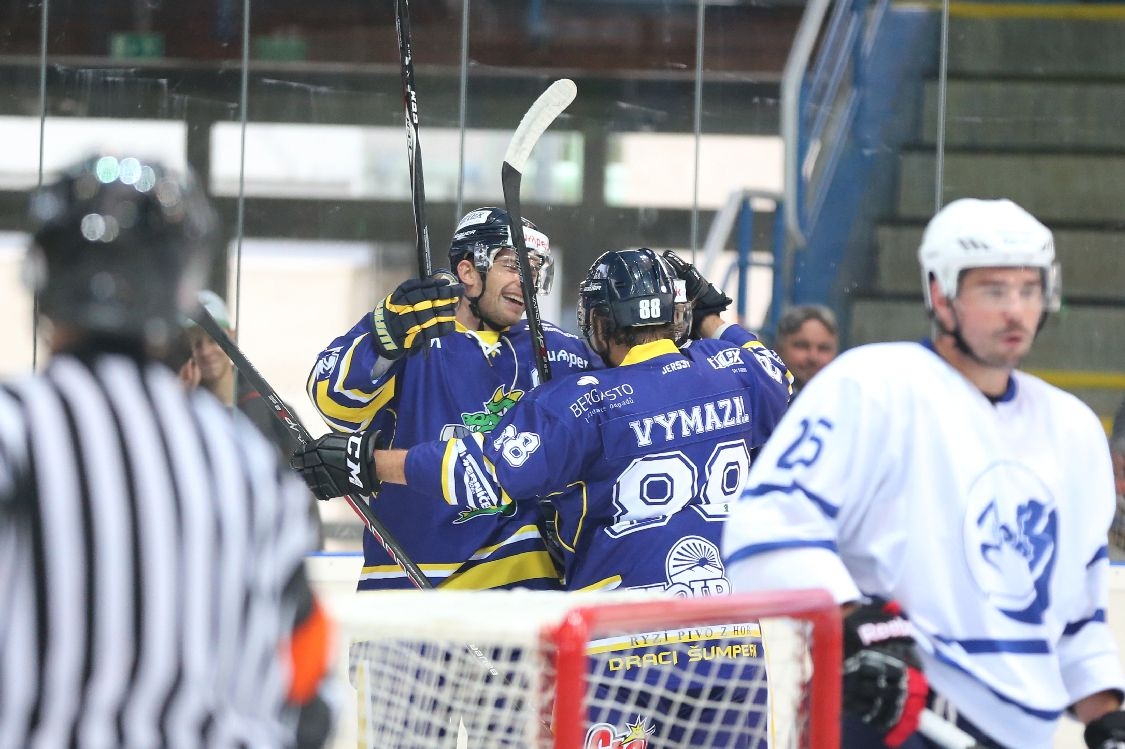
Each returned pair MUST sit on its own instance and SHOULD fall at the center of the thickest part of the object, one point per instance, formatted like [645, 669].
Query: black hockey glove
[1107, 732]
[417, 312]
[883, 681]
[705, 298]
[339, 464]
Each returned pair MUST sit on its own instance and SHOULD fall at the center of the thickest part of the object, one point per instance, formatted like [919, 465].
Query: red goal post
[590, 671]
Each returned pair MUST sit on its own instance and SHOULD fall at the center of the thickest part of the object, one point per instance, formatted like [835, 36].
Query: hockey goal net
[596, 671]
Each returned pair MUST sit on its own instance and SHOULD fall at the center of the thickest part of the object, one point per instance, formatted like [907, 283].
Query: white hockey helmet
[972, 233]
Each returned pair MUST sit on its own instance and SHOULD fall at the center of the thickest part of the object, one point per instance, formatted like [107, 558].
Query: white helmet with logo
[971, 233]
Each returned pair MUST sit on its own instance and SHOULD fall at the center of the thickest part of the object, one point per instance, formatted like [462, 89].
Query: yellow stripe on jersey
[359, 416]
[581, 517]
[524, 533]
[610, 583]
[434, 572]
[505, 498]
[344, 369]
[645, 351]
[531, 565]
[448, 464]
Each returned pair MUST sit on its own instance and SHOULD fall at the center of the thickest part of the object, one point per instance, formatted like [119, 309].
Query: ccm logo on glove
[355, 464]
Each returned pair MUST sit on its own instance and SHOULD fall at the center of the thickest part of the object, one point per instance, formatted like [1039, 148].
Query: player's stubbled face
[998, 310]
[502, 301]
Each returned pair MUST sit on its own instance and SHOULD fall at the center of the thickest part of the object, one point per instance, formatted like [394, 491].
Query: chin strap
[955, 334]
[474, 307]
[959, 340]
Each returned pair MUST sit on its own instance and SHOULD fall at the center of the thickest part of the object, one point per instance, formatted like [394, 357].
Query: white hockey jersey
[893, 475]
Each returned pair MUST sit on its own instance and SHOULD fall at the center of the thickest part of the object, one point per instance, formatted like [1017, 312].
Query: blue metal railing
[737, 215]
[819, 99]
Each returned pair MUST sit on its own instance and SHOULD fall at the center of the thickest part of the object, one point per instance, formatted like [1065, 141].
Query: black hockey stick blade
[413, 147]
[300, 437]
[542, 113]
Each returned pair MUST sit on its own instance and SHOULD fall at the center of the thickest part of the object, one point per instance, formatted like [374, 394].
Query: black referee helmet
[121, 247]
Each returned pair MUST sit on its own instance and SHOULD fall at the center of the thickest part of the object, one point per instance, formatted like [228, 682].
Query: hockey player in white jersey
[938, 475]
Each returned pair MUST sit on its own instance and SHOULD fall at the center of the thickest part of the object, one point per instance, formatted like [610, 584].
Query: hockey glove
[339, 464]
[705, 298]
[417, 312]
[883, 682]
[1107, 732]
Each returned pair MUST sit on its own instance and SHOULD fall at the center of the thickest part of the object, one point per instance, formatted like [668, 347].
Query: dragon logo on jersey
[483, 421]
[1011, 535]
[635, 736]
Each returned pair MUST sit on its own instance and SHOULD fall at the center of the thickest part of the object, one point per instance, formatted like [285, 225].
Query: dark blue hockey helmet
[630, 289]
[120, 247]
[484, 232]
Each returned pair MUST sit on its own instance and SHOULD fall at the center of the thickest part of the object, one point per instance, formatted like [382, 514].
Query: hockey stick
[542, 113]
[943, 733]
[299, 437]
[413, 147]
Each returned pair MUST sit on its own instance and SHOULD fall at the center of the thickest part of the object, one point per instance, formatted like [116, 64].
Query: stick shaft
[510, 179]
[299, 437]
[943, 733]
[413, 146]
[546, 108]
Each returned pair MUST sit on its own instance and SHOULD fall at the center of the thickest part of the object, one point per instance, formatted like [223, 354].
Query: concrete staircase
[1035, 112]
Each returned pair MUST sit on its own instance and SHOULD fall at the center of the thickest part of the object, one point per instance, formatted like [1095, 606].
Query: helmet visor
[542, 266]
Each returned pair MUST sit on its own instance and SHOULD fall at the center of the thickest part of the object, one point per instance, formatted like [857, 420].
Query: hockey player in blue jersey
[938, 475]
[641, 460]
[477, 362]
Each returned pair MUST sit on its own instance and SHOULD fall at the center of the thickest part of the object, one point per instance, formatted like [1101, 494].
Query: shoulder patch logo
[327, 363]
[588, 380]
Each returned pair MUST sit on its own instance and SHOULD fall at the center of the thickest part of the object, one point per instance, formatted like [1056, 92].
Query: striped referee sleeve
[147, 540]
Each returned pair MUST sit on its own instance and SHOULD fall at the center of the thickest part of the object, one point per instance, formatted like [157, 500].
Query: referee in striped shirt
[152, 588]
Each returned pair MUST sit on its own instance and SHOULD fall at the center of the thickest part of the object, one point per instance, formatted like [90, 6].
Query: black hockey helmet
[633, 288]
[483, 232]
[120, 248]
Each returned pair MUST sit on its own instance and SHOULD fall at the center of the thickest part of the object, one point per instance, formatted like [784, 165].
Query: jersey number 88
[655, 487]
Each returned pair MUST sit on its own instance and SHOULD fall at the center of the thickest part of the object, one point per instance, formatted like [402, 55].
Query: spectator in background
[1117, 452]
[1117, 448]
[807, 339]
[209, 367]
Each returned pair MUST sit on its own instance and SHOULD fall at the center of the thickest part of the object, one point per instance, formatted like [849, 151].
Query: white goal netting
[597, 671]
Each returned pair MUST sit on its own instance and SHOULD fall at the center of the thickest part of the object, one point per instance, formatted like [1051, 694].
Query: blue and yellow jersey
[461, 385]
[640, 462]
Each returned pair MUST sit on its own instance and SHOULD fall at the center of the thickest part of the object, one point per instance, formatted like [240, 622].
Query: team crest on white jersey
[1011, 536]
